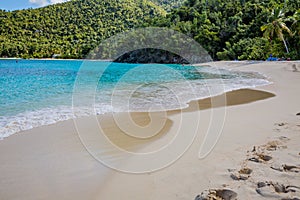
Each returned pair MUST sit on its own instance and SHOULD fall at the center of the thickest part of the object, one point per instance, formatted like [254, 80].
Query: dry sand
[257, 155]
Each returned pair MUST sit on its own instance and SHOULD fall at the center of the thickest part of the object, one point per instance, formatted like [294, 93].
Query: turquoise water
[41, 92]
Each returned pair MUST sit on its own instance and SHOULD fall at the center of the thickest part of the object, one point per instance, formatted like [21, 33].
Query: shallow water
[42, 92]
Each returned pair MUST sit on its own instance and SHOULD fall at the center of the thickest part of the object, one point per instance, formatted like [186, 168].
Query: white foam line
[28, 120]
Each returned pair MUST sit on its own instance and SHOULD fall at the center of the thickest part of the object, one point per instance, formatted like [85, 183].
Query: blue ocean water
[42, 92]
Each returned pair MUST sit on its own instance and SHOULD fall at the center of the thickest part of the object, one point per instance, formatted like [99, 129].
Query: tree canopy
[69, 29]
[239, 29]
[231, 29]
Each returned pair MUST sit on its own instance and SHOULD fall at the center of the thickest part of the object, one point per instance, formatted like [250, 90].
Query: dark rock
[150, 55]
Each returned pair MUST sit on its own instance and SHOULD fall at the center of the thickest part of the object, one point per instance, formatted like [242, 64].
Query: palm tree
[296, 21]
[276, 26]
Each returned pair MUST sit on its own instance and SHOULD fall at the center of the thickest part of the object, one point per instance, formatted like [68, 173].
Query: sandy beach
[254, 154]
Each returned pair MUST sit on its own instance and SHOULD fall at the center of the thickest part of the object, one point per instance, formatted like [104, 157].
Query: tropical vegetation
[71, 29]
[239, 29]
[228, 30]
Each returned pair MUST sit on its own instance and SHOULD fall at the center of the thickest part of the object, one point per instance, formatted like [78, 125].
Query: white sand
[51, 163]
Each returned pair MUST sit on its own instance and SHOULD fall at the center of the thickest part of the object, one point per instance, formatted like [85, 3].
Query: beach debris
[217, 194]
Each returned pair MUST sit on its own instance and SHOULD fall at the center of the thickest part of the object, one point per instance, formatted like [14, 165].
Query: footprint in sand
[260, 157]
[274, 145]
[217, 194]
[242, 174]
[259, 154]
[280, 126]
[295, 68]
[268, 189]
[276, 190]
[286, 168]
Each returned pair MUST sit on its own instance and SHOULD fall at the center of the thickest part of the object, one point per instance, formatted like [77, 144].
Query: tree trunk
[286, 47]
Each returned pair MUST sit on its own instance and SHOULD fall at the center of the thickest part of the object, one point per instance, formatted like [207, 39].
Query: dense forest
[228, 30]
[71, 29]
[239, 29]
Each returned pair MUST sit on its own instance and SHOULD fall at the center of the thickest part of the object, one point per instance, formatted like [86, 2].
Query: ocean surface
[42, 92]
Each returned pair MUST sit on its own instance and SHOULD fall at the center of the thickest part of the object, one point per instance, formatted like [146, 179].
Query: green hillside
[228, 30]
[69, 29]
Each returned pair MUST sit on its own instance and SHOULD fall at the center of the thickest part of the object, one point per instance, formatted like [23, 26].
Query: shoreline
[189, 106]
[231, 62]
[56, 164]
[53, 59]
[34, 122]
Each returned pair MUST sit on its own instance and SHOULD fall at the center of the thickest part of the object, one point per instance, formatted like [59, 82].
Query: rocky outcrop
[151, 56]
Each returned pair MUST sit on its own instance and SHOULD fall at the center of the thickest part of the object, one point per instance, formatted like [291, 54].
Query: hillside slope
[69, 29]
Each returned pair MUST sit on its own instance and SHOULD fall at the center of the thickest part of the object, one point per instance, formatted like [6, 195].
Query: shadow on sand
[142, 119]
